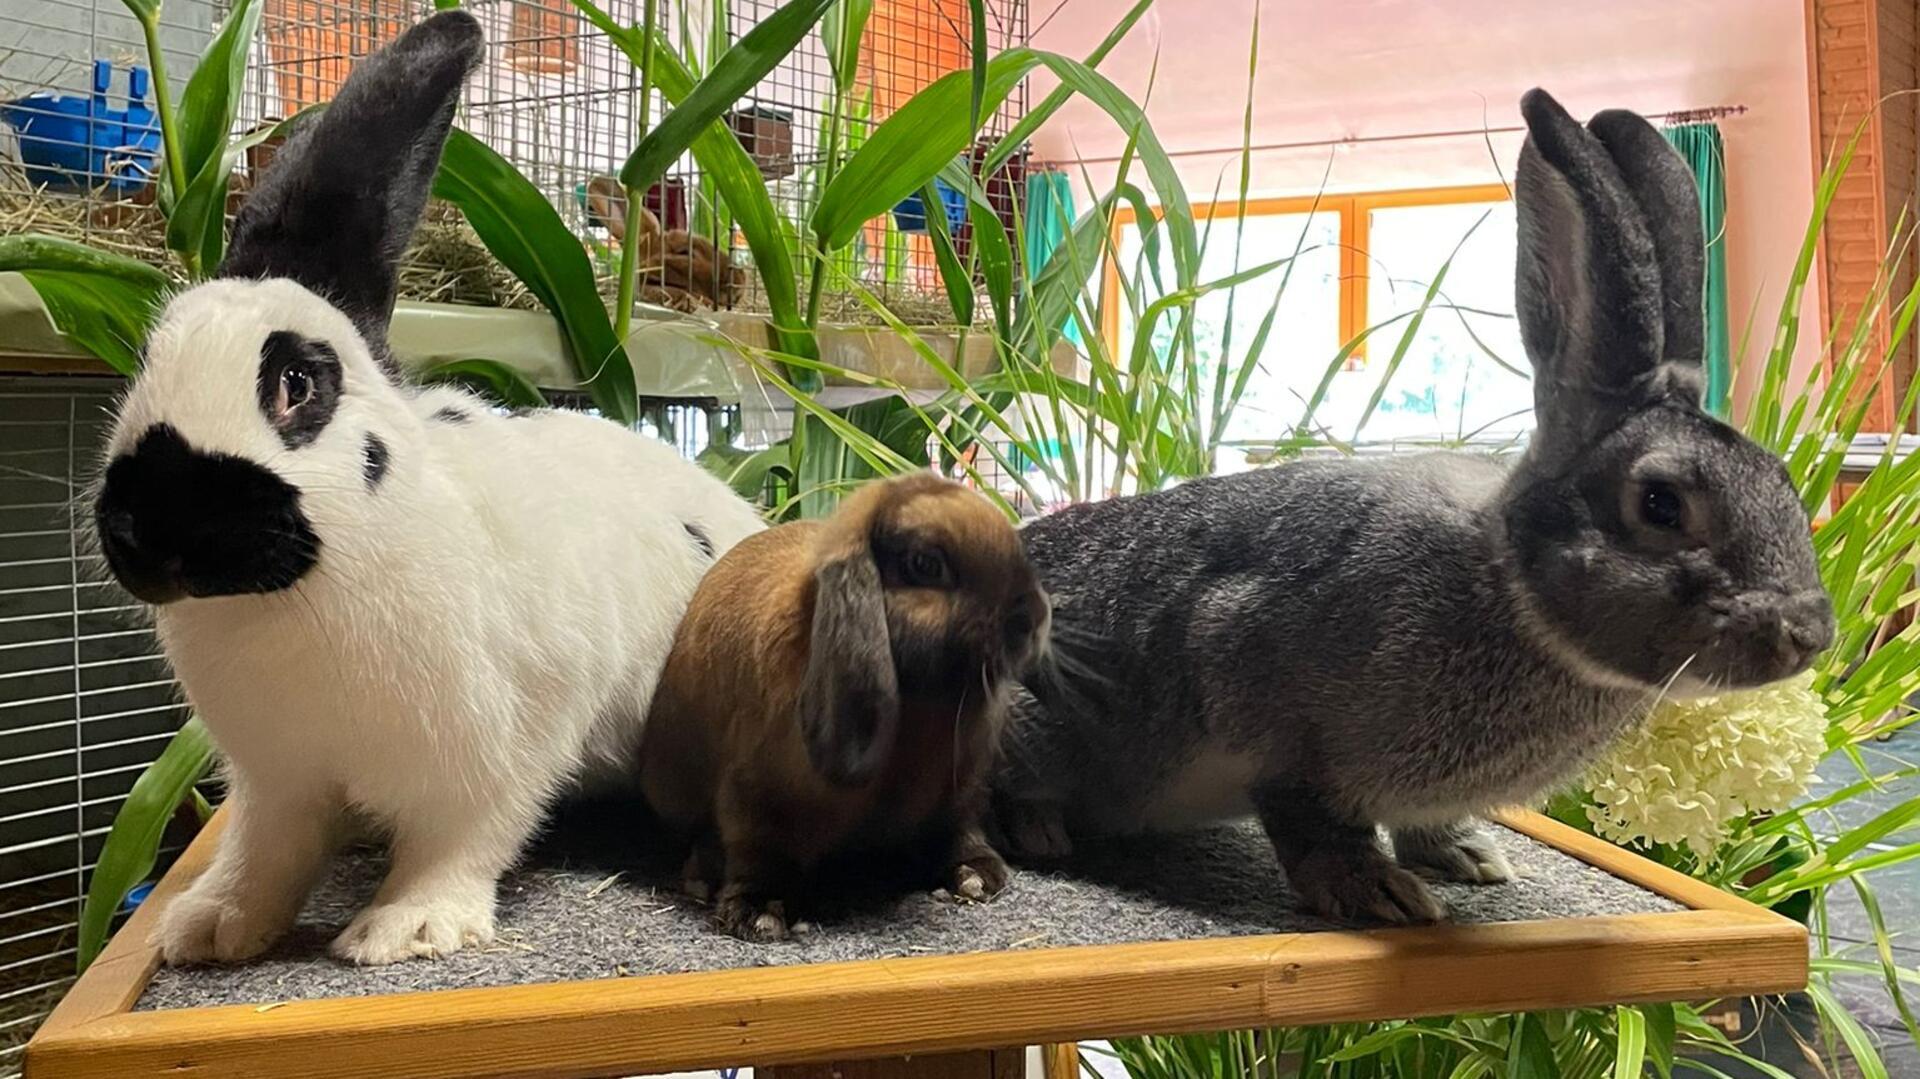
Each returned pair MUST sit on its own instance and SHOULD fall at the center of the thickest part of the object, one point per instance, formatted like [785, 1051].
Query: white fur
[482, 629]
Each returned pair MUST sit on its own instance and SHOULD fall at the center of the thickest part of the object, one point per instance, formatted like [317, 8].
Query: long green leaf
[104, 302]
[1630, 1051]
[491, 378]
[841, 31]
[979, 67]
[1034, 118]
[992, 249]
[1530, 1053]
[1662, 1028]
[911, 147]
[522, 229]
[133, 843]
[196, 225]
[770, 236]
[1176, 209]
[1859, 1043]
[955, 277]
[147, 13]
[740, 68]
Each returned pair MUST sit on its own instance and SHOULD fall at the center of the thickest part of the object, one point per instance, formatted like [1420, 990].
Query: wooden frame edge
[822, 1012]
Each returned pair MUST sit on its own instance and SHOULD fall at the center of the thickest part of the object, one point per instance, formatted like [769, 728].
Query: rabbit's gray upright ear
[342, 198]
[1609, 271]
[850, 696]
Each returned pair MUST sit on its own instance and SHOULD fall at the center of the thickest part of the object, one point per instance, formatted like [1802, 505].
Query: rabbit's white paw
[389, 932]
[202, 926]
[1467, 855]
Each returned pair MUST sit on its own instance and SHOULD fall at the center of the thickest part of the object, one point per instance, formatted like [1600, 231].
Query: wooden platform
[933, 1007]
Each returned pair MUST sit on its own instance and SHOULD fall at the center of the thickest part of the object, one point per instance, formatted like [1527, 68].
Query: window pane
[1450, 383]
[1306, 327]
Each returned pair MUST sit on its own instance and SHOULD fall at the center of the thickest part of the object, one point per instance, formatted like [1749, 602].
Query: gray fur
[1337, 645]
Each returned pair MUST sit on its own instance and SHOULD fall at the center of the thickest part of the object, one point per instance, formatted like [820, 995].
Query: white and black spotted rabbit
[1336, 645]
[380, 598]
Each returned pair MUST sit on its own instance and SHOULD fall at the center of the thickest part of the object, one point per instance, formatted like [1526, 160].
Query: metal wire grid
[86, 701]
[907, 45]
[555, 97]
[77, 163]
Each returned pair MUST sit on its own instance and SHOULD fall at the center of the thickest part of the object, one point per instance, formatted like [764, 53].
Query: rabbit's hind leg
[1461, 851]
[1336, 867]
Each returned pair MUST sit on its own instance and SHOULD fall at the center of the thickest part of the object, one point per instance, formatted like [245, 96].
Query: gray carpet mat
[573, 914]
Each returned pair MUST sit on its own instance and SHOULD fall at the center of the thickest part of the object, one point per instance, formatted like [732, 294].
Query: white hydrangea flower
[1697, 766]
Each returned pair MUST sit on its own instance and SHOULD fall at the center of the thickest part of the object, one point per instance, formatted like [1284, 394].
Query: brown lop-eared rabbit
[839, 687]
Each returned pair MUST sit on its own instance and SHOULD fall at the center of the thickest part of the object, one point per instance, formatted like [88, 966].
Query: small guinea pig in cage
[839, 687]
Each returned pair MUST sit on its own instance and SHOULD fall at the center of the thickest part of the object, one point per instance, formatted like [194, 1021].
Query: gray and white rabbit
[378, 597]
[1336, 645]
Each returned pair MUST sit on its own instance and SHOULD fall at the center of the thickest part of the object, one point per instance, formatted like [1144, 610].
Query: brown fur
[771, 744]
[677, 268]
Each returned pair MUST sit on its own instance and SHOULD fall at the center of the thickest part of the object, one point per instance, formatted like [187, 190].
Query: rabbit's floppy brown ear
[850, 695]
[1608, 273]
[342, 199]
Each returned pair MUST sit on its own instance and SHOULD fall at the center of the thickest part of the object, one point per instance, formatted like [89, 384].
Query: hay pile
[446, 262]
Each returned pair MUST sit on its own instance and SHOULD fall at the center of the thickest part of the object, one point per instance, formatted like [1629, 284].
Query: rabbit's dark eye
[927, 568]
[296, 389]
[299, 386]
[1661, 506]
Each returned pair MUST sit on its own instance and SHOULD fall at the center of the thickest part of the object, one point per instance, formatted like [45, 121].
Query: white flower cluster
[1699, 765]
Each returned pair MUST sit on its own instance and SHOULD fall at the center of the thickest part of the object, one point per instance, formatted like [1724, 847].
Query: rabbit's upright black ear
[1608, 274]
[850, 694]
[342, 198]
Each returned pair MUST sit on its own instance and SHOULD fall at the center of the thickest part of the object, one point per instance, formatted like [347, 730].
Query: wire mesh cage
[86, 701]
[80, 142]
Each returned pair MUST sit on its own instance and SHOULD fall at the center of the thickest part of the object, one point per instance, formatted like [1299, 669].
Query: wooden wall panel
[1860, 52]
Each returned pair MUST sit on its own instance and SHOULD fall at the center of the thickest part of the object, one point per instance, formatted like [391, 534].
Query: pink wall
[1367, 68]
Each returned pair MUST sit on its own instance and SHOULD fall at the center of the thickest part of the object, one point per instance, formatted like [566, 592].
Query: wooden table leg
[972, 1064]
[1061, 1061]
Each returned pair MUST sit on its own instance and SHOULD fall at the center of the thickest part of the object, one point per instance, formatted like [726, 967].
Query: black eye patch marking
[374, 463]
[450, 414]
[299, 386]
[700, 539]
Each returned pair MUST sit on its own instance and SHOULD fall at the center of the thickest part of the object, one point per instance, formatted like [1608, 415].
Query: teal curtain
[1049, 217]
[1700, 145]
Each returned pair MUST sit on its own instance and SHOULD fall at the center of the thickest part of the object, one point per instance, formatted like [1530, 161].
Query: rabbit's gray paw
[1463, 853]
[1361, 886]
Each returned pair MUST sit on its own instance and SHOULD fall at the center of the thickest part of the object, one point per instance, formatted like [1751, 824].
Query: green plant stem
[636, 200]
[629, 268]
[169, 125]
[829, 165]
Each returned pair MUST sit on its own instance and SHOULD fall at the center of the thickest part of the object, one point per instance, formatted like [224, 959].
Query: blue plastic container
[911, 213]
[135, 896]
[75, 143]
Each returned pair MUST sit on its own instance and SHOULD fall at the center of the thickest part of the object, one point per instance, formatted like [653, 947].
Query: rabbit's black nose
[174, 522]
